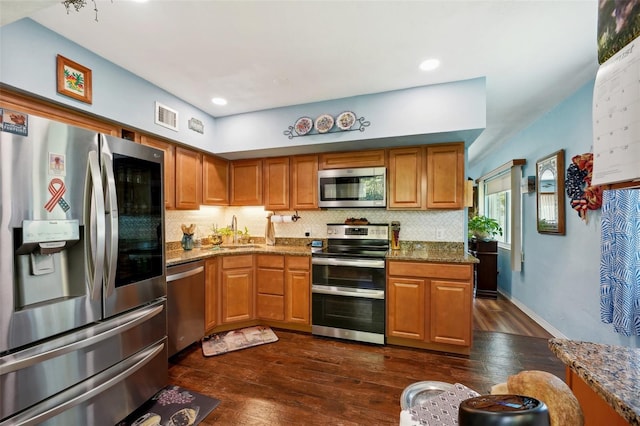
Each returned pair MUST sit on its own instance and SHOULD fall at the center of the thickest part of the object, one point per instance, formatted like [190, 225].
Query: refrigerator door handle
[94, 226]
[86, 390]
[77, 341]
[111, 205]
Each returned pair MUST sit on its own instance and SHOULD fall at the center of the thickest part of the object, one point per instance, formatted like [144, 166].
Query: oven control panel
[370, 232]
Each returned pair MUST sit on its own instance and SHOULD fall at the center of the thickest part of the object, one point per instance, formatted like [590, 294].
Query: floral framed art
[74, 80]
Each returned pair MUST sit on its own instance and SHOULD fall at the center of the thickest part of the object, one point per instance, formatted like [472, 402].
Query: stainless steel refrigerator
[82, 274]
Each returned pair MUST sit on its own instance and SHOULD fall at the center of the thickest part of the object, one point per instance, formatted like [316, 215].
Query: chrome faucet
[234, 228]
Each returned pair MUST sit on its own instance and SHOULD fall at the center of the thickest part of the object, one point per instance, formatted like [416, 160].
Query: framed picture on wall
[74, 80]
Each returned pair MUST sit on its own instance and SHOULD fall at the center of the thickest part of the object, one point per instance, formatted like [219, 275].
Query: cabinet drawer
[270, 261]
[431, 270]
[231, 262]
[270, 307]
[298, 262]
[270, 281]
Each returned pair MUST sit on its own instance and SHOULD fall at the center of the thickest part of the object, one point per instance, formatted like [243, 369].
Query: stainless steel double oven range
[348, 283]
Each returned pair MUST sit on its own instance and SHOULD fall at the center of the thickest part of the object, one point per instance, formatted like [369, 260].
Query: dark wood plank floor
[302, 379]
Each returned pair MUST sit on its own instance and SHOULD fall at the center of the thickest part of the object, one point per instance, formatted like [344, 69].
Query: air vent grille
[166, 117]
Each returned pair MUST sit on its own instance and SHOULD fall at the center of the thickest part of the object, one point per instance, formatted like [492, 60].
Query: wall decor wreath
[583, 196]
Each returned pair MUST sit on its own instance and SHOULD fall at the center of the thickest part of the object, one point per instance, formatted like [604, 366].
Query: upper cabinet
[304, 182]
[188, 179]
[215, 181]
[445, 176]
[276, 183]
[351, 159]
[430, 177]
[169, 168]
[246, 183]
[406, 178]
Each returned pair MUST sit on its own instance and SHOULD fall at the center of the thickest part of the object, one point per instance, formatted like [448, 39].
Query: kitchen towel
[620, 261]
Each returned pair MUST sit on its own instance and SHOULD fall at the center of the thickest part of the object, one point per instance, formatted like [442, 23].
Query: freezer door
[37, 374]
[105, 399]
[49, 281]
[132, 177]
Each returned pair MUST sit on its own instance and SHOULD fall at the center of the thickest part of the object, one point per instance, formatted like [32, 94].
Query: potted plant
[483, 228]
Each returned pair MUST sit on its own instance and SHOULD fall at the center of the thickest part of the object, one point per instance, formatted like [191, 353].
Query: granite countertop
[430, 254]
[613, 372]
[175, 257]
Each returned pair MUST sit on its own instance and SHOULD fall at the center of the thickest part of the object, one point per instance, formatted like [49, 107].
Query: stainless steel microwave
[362, 187]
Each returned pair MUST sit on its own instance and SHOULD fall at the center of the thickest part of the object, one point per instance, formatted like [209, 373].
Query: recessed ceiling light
[429, 64]
[219, 101]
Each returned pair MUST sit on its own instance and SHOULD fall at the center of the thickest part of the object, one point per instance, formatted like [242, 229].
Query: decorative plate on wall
[324, 123]
[303, 125]
[346, 120]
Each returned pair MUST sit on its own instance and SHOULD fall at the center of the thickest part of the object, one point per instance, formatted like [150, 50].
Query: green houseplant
[483, 228]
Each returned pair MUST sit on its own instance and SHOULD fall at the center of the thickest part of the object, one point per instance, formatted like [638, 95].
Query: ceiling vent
[166, 117]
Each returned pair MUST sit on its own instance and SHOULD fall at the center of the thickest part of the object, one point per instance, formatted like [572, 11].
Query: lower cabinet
[245, 290]
[429, 305]
[236, 287]
[211, 298]
[270, 287]
[298, 290]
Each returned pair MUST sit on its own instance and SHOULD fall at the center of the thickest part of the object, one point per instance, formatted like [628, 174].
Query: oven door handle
[359, 263]
[347, 291]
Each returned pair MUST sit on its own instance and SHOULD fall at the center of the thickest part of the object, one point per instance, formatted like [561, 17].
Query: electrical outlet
[439, 234]
[307, 232]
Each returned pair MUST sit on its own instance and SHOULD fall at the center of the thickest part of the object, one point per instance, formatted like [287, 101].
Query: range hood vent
[166, 117]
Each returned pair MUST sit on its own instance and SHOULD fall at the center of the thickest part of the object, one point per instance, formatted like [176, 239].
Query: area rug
[172, 406]
[221, 343]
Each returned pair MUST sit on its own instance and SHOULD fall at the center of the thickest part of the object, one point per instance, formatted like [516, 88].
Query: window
[499, 198]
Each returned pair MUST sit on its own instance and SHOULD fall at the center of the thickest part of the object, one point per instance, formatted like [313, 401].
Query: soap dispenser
[270, 233]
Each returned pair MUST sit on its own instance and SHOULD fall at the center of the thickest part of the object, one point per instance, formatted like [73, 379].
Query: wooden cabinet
[429, 305]
[246, 183]
[406, 178]
[304, 182]
[276, 183]
[405, 307]
[237, 293]
[596, 410]
[270, 287]
[351, 159]
[215, 181]
[188, 179]
[486, 272]
[450, 311]
[445, 176]
[298, 290]
[211, 297]
[169, 168]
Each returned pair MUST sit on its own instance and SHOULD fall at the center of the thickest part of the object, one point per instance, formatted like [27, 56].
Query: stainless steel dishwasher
[185, 305]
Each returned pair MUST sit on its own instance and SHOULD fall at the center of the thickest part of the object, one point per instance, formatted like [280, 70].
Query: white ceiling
[266, 54]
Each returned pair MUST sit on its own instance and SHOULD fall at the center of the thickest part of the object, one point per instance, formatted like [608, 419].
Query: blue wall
[445, 112]
[28, 62]
[559, 281]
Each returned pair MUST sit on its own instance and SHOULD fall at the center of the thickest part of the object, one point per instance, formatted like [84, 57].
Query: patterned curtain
[620, 261]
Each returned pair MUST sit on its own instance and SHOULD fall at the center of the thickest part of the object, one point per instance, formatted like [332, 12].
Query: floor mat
[172, 406]
[220, 343]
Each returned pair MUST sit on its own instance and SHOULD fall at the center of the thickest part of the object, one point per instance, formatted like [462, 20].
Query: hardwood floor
[503, 316]
[303, 379]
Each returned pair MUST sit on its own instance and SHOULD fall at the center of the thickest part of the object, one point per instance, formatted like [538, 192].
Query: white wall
[559, 281]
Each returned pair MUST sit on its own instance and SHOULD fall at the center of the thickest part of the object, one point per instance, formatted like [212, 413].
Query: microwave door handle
[94, 221]
[111, 202]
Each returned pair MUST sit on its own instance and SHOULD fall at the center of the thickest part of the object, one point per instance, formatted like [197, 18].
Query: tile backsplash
[414, 225]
